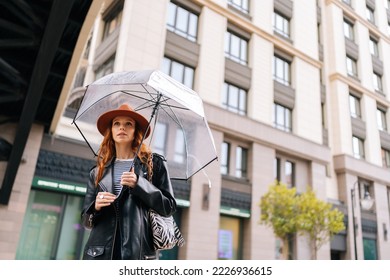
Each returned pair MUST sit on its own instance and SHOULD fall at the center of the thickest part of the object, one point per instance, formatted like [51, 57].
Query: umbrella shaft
[157, 104]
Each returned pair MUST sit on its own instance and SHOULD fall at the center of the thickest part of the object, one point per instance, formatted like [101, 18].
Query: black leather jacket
[127, 217]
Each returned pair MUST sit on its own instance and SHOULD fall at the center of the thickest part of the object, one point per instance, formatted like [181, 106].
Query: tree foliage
[288, 213]
[279, 209]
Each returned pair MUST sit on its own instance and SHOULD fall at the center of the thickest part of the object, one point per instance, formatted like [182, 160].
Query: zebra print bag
[166, 234]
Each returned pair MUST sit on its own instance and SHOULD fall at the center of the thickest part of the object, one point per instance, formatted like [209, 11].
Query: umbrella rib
[174, 117]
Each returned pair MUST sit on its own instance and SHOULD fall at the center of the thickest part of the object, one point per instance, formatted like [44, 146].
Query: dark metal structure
[37, 40]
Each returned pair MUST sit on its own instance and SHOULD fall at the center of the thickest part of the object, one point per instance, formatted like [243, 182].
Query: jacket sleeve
[89, 214]
[157, 195]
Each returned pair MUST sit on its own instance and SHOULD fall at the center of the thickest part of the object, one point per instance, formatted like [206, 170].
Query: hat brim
[104, 121]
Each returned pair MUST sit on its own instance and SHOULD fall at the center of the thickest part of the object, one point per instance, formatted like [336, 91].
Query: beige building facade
[295, 91]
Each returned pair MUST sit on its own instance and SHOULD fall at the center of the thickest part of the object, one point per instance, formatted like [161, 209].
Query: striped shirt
[120, 166]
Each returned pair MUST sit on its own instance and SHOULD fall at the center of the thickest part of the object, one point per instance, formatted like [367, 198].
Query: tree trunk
[284, 249]
[313, 250]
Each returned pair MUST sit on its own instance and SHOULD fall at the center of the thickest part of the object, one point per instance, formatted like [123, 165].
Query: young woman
[118, 198]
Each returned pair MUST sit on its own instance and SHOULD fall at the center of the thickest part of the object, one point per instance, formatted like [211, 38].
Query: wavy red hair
[107, 152]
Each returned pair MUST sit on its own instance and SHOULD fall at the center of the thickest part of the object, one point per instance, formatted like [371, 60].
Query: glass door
[51, 227]
[40, 226]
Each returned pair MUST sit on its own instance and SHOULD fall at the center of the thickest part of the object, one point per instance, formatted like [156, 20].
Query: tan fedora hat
[104, 121]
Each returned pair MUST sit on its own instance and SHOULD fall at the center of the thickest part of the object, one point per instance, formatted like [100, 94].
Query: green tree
[318, 219]
[279, 210]
[289, 213]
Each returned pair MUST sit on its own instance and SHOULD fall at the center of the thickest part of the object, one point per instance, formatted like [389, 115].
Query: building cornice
[358, 87]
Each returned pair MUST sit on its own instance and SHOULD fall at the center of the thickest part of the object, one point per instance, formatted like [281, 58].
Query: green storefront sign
[61, 186]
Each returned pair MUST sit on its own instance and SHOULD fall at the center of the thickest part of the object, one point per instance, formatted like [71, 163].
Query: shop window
[51, 227]
[229, 238]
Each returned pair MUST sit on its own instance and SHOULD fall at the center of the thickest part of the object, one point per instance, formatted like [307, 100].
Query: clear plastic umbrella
[179, 129]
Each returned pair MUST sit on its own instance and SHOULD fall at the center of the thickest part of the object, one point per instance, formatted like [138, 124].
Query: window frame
[179, 149]
[228, 96]
[281, 163]
[242, 44]
[373, 45]
[286, 124]
[370, 14]
[225, 158]
[358, 143]
[377, 82]
[355, 106]
[114, 16]
[351, 65]
[381, 119]
[168, 66]
[190, 32]
[107, 67]
[281, 24]
[162, 142]
[285, 78]
[290, 184]
[241, 166]
[349, 29]
[243, 6]
[385, 157]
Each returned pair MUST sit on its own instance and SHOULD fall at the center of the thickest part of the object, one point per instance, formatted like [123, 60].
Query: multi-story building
[294, 91]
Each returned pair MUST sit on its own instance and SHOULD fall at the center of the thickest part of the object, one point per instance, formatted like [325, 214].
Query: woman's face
[123, 129]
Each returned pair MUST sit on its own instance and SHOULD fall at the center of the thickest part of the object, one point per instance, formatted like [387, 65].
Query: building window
[358, 147]
[370, 14]
[160, 132]
[241, 5]
[234, 99]
[180, 72]
[285, 171]
[236, 48]
[241, 162]
[179, 155]
[230, 238]
[281, 70]
[385, 158]
[352, 67]
[348, 30]
[354, 106]
[225, 156]
[182, 22]
[377, 82]
[277, 172]
[374, 47]
[281, 25]
[289, 170]
[381, 119]
[79, 80]
[282, 118]
[106, 68]
[113, 20]
[370, 249]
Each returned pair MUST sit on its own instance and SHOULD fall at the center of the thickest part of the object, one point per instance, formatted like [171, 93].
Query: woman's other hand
[104, 199]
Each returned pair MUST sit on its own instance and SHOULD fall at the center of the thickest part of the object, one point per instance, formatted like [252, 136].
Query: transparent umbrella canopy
[178, 125]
